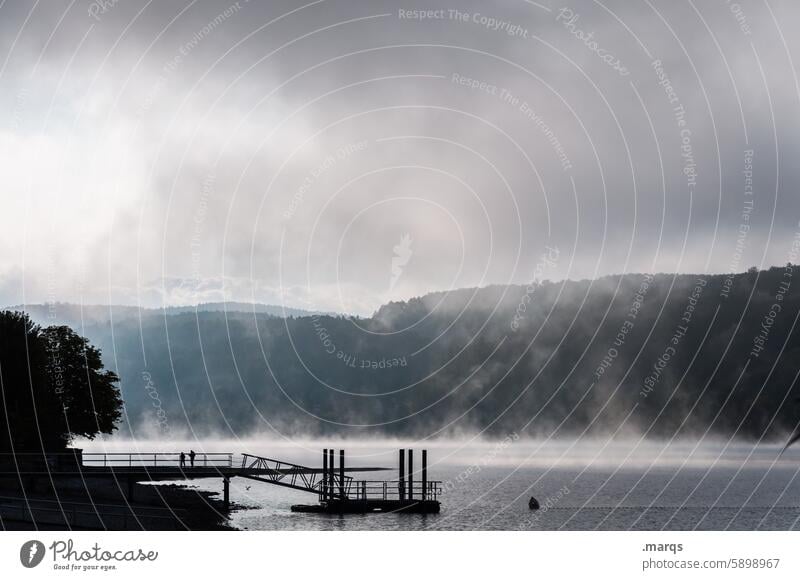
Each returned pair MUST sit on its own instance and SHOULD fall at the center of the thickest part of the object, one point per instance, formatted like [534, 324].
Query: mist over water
[556, 246]
[580, 484]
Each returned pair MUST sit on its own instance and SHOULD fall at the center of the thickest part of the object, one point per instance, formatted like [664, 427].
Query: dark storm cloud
[185, 151]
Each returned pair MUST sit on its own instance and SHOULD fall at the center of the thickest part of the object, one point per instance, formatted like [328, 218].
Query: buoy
[533, 504]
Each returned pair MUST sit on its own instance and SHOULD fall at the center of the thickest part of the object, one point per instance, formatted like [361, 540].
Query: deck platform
[339, 494]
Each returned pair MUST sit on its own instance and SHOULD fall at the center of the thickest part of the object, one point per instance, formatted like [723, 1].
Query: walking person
[183, 459]
[191, 457]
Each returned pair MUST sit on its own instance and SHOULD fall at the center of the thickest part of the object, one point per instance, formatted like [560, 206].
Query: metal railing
[157, 460]
[285, 473]
[362, 490]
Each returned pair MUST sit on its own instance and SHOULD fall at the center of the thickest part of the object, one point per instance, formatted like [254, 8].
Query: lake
[594, 485]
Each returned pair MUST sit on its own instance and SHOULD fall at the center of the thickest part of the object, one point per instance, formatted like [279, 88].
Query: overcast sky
[339, 154]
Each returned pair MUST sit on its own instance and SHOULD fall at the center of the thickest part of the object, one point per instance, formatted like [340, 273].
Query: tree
[28, 408]
[53, 387]
[88, 395]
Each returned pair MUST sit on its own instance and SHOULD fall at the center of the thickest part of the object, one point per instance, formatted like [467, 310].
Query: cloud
[289, 148]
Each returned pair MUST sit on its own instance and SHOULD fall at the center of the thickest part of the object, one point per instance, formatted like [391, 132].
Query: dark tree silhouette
[87, 393]
[52, 387]
[29, 409]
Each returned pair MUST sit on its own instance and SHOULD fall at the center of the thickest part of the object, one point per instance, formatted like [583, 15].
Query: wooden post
[401, 486]
[424, 474]
[341, 473]
[226, 492]
[324, 474]
[410, 474]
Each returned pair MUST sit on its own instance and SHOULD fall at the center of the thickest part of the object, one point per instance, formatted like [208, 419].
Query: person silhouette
[191, 457]
[183, 459]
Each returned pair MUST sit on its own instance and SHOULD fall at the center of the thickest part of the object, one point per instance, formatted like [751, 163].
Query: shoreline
[100, 504]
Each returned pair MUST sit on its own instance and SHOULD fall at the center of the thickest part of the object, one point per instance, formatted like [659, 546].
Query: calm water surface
[580, 485]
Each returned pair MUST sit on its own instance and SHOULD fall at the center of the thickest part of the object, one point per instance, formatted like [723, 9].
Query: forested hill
[79, 315]
[638, 354]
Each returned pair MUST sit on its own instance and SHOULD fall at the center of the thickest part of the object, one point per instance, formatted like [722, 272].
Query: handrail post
[410, 474]
[324, 488]
[341, 473]
[401, 485]
[424, 474]
[331, 487]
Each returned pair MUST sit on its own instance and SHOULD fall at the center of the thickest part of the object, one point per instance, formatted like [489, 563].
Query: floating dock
[341, 494]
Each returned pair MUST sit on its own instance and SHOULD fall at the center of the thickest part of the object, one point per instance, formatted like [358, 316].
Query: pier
[336, 490]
